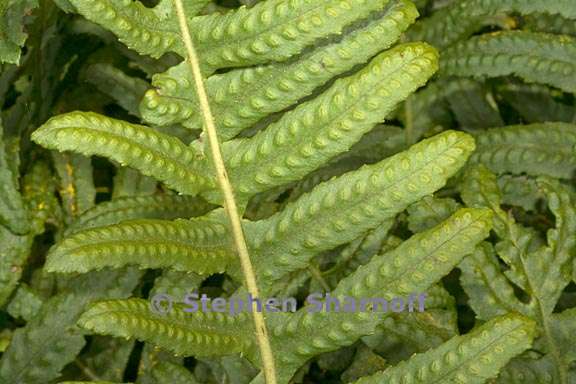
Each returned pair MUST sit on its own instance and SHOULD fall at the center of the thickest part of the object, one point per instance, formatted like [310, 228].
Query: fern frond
[107, 357]
[12, 13]
[14, 254]
[185, 333]
[365, 362]
[50, 341]
[152, 153]
[545, 22]
[76, 188]
[201, 245]
[541, 270]
[287, 148]
[473, 105]
[379, 143]
[530, 370]
[229, 199]
[519, 190]
[427, 109]
[480, 189]
[358, 252]
[430, 211]
[12, 211]
[125, 90]
[536, 149]
[418, 331]
[365, 198]
[307, 137]
[177, 283]
[130, 182]
[563, 326]
[25, 304]
[310, 181]
[168, 373]
[553, 263]
[151, 357]
[535, 57]
[39, 194]
[535, 103]
[273, 87]
[419, 262]
[412, 267]
[472, 358]
[273, 30]
[140, 207]
[147, 31]
[490, 292]
[460, 19]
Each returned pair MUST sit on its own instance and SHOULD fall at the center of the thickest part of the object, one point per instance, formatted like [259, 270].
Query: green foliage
[461, 19]
[273, 87]
[173, 374]
[15, 250]
[535, 149]
[472, 358]
[202, 245]
[411, 267]
[134, 207]
[540, 270]
[534, 57]
[200, 334]
[39, 351]
[77, 188]
[536, 104]
[110, 80]
[151, 152]
[12, 35]
[12, 213]
[107, 357]
[368, 196]
[286, 151]
[551, 23]
[376, 148]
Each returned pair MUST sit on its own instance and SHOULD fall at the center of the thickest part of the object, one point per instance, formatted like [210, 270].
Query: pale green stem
[262, 338]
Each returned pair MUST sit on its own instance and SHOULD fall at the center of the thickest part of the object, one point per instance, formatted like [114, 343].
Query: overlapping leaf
[534, 57]
[151, 152]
